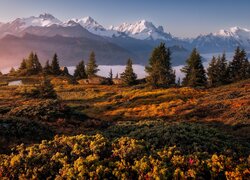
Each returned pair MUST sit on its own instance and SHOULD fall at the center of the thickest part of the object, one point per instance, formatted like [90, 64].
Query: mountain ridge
[134, 40]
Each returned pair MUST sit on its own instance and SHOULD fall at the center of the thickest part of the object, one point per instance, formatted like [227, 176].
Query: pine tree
[47, 68]
[195, 75]
[179, 82]
[110, 77]
[1, 73]
[248, 70]
[37, 65]
[117, 76]
[212, 72]
[55, 68]
[160, 72]
[244, 66]
[65, 71]
[80, 72]
[128, 77]
[238, 66]
[92, 67]
[46, 89]
[23, 65]
[33, 65]
[22, 70]
[30, 62]
[12, 71]
[222, 70]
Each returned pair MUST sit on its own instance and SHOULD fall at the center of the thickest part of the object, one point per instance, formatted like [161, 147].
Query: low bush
[96, 157]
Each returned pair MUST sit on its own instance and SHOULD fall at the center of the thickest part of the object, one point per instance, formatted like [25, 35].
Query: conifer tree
[195, 75]
[30, 62]
[110, 77]
[23, 65]
[37, 65]
[55, 68]
[46, 89]
[248, 69]
[12, 71]
[212, 72]
[160, 72]
[238, 66]
[47, 68]
[117, 76]
[128, 77]
[80, 72]
[22, 70]
[1, 73]
[33, 65]
[92, 67]
[65, 71]
[179, 82]
[222, 70]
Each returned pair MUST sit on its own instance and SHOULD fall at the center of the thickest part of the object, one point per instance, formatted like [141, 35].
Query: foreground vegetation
[113, 132]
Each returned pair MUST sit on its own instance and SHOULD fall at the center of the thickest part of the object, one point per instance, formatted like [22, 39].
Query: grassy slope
[195, 122]
[226, 108]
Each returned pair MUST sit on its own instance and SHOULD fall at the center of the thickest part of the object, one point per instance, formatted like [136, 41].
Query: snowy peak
[46, 16]
[236, 32]
[43, 20]
[92, 26]
[88, 23]
[142, 30]
[242, 35]
[138, 27]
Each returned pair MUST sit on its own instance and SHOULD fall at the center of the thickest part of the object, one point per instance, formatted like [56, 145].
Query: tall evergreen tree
[47, 68]
[80, 72]
[12, 71]
[248, 69]
[195, 74]
[110, 77]
[37, 65]
[117, 76]
[33, 66]
[55, 68]
[222, 70]
[46, 89]
[30, 62]
[179, 82]
[128, 77]
[23, 65]
[238, 66]
[65, 71]
[212, 72]
[160, 72]
[92, 67]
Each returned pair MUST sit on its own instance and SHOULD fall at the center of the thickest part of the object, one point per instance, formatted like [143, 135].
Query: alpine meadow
[85, 100]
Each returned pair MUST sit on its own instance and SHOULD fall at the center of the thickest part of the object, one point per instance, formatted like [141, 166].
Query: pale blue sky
[183, 18]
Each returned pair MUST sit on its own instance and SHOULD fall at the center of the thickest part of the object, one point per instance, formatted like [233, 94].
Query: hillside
[115, 132]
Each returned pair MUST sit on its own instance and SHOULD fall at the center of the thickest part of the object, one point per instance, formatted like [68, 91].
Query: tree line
[219, 72]
[32, 66]
[159, 69]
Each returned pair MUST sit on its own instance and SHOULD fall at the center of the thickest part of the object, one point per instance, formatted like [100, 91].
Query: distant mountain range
[74, 39]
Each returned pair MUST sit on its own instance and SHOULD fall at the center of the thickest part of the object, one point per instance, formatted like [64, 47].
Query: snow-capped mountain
[223, 40]
[240, 34]
[92, 26]
[43, 20]
[129, 35]
[88, 23]
[143, 30]
[20, 24]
